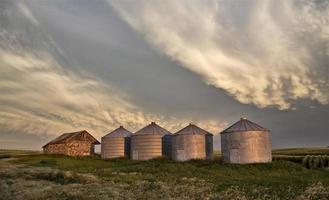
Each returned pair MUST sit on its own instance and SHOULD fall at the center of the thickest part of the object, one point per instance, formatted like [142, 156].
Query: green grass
[302, 151]
[11, 152]
[278, 176]
[281, 179]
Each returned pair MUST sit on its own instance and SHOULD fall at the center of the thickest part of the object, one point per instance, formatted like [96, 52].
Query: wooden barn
[79, 143]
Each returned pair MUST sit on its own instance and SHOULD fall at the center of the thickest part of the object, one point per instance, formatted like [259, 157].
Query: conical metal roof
[119, 132]
[192, 129]
[244, 125]
[152, 129]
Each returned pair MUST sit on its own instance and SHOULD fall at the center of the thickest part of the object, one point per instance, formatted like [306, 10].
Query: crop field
[302, 151]
[31, 175]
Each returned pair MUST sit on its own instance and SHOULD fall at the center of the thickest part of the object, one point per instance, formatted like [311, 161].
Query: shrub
[305, 161]
[61, 177]
[322, 161]
[316, 162]
[310, 162]
[295, 159]
[4, 156]
[326, 161]
[47, 163]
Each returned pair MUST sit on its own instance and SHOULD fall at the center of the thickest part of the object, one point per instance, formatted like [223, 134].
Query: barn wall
[79, 148]
[246, 147]
[55, 149]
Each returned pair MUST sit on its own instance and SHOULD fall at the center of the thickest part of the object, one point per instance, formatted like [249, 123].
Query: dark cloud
[77, 64]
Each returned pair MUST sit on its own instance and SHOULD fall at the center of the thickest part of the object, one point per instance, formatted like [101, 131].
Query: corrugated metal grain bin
[151, 142]
[246, 142]
[116, 144]
[192, 142]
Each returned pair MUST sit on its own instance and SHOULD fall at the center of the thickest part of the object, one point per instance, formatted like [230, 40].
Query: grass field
[302, 151]
[37, 176]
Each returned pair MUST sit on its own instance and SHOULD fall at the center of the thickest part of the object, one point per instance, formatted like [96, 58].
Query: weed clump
[47, 163]
[315, 191]
[62, 177]
[305, 162]
[4, 156]
[316, 162]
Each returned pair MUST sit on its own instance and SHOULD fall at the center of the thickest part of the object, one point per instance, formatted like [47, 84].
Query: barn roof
[193, 130]
[67, 136]
[244, 125]
[119, 132]
[152, 129]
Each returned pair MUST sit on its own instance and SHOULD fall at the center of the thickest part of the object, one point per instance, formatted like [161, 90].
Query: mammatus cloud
[37, 98]
[42, 96]
[274, 53]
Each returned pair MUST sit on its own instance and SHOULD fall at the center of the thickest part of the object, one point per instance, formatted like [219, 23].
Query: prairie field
[302, 151]
[32, 175]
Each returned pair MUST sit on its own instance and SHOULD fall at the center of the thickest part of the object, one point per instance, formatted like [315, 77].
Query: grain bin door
[181, 155]
[167, 146]
[127, 147]
[135, 155]
[209, 147]
[234, 156]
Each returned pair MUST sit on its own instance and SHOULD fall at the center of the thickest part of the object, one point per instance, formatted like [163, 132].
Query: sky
[70, 65]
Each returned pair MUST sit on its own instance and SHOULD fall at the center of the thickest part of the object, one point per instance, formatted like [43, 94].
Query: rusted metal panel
[246, 147]
[187, 147]
[246, 142]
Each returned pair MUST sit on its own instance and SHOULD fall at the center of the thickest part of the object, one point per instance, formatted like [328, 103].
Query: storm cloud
[277, 54]
[41, 94]
[95, 65]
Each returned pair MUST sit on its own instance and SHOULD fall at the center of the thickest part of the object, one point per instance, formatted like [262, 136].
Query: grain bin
[246, 142]
[192, 142]
[151, 142]
[116, 144]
